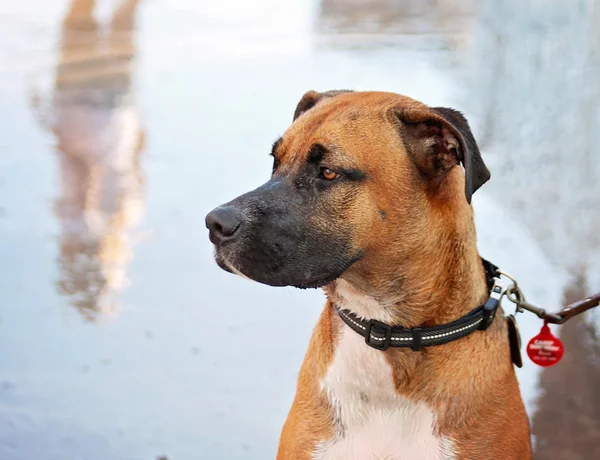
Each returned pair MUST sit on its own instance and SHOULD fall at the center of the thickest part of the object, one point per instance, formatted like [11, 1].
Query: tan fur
[422, 266]
[310, 418]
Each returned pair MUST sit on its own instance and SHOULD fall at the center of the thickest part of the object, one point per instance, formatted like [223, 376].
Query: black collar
[382, 336]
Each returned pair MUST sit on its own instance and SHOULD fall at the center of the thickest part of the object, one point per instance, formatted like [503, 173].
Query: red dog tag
[545, 349]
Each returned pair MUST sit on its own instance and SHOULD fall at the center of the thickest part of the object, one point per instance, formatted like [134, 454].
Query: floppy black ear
[476, 172]
[439, 138]
[312, 98]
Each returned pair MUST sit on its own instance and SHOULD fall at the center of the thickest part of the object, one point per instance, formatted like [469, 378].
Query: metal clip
[513, 292]
[503, 273]
[516, 296]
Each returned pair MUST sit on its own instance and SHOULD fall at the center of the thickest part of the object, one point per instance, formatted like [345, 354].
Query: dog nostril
[223, 223]
[227, 230]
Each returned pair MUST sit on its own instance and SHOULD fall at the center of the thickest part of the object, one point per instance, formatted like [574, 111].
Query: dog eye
[328, 174]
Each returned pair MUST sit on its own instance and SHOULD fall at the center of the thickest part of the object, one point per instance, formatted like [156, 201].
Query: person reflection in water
[99, 141]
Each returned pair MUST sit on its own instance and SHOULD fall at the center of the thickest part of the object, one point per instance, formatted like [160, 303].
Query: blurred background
[124, 122]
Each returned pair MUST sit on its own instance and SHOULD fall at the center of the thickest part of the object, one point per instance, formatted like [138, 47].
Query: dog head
[358, 181]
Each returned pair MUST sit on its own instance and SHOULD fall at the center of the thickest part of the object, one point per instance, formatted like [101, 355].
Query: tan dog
[367, 200]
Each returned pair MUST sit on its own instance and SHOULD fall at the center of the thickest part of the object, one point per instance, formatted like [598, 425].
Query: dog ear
[439, 138]
[312, 98]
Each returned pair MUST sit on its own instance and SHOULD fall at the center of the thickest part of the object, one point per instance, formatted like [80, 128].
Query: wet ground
[120, 337]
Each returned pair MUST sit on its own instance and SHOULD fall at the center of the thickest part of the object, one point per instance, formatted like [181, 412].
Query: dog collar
[382, 336]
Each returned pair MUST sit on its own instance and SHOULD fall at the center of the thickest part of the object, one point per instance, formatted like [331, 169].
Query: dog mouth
[277, 278]
[222, 262]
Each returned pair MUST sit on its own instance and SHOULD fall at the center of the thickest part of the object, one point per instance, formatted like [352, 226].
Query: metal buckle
[491, 306]
[378, 343]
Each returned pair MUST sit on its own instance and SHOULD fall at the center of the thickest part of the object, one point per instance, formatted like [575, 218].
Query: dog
[370, 200]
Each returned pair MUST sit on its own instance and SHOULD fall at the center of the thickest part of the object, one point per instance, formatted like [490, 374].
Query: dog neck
[441, 284]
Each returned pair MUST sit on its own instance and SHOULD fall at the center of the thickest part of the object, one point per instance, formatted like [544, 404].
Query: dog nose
[223, 224]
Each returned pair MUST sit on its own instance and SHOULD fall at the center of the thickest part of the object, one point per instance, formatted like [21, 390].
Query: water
[120, 336]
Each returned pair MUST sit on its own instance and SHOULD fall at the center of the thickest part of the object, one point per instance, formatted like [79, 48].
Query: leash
[516, 296]
[544, 349]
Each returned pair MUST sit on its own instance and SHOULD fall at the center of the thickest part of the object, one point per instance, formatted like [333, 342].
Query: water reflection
[99, 142]
[376, 23]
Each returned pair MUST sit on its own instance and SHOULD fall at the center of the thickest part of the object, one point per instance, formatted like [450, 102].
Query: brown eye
[329, 174]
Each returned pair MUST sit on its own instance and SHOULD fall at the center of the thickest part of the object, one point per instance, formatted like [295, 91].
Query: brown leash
[576, 308]
[515, 295]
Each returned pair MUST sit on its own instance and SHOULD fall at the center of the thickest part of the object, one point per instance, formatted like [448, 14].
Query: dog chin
[270, 280]
[300, 284]
[222, 263]
[273, 280]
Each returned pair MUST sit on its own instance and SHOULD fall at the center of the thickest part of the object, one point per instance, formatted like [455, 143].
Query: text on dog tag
[545, 349]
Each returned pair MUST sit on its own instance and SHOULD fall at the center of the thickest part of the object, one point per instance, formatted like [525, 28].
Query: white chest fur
[373, 421]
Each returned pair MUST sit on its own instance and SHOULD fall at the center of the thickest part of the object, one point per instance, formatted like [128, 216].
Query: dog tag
[514, 338]
[545, 349]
